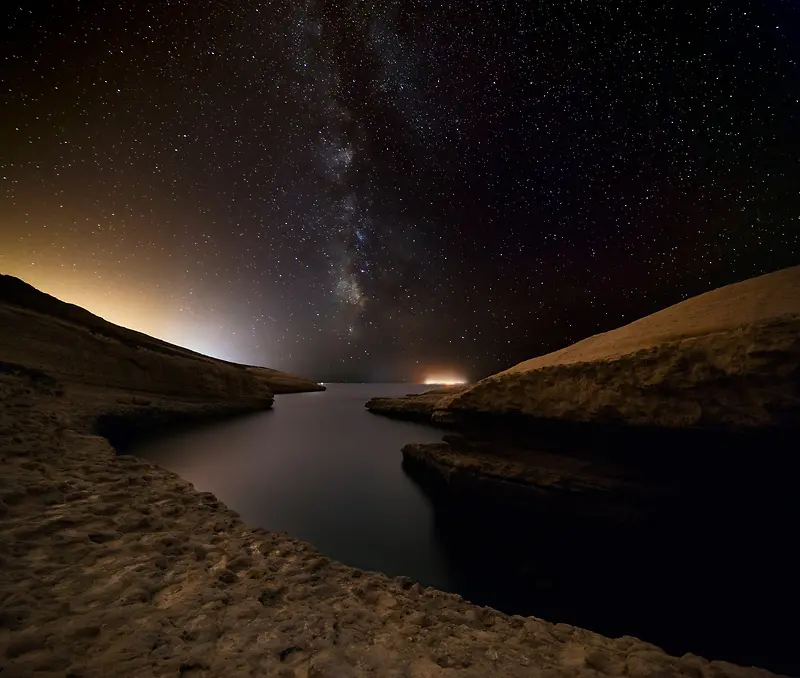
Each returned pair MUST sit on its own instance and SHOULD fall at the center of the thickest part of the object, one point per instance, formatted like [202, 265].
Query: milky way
[371, 190]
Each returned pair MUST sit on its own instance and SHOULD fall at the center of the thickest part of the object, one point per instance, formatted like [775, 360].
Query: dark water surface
[720, 580]
[322, 468]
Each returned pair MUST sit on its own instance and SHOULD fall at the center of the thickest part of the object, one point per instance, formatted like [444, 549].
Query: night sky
[379, 191]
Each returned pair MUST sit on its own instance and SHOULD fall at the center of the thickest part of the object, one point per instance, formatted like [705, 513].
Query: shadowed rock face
[73, 345]
[586, 535]
[728, 358]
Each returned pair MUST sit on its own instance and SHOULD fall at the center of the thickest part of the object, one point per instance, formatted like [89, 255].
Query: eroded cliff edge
[414, 406]
[712, 374]
[113, 566]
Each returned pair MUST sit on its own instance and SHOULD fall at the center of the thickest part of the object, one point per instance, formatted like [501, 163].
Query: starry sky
[380, 190]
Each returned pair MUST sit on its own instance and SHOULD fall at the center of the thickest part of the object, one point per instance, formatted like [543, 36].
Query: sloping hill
[730, 357]
[71, 344]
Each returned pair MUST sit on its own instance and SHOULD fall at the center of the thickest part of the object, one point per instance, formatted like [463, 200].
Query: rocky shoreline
[524, 478]
[113, 566]
[45, 336]
[714, 373]
[726, 359]
[646, 432]
[110, 565]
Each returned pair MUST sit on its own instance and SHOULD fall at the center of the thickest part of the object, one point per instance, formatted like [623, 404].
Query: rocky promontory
[110, 565]
[72, 345]
[729, 358]
[676, 427]
[710, 372]
[614, 420]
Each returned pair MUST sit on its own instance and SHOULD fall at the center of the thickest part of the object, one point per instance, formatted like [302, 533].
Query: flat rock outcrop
[485, 471]
[729, 358]
[414, 406]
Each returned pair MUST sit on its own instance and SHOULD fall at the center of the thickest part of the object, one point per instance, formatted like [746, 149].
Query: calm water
[322, 468]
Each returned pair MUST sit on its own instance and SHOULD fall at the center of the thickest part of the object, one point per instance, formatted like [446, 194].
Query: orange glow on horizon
[125, 307]
[136, 308]
[444, 380]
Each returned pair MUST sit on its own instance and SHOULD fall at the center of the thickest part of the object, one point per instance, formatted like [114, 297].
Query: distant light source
[439, 380]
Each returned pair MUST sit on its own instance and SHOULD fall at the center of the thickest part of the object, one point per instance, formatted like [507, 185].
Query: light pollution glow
[439, 380]
[141, 310]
